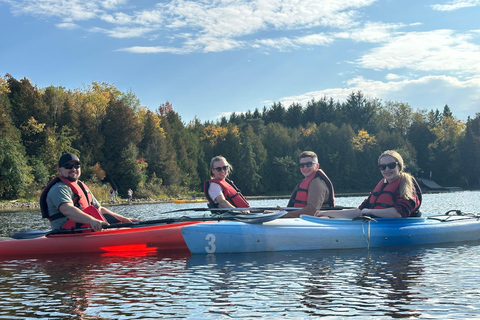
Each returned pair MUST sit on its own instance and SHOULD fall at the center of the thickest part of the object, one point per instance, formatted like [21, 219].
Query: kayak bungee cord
[368, 220]
[460, 213]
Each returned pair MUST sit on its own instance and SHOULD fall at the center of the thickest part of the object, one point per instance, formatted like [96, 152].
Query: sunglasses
[70, 166]
[307, 164]
[390, 165]
[221, 168]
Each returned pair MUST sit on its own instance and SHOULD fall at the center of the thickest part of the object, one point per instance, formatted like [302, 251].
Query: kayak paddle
[247, 218]
[259, 209]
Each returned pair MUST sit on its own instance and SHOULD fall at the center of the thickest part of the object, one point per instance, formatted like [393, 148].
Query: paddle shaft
[261, 209]
[30, 234]
[160, 221]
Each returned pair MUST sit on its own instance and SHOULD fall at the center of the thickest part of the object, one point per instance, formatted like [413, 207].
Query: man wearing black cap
[68, 203]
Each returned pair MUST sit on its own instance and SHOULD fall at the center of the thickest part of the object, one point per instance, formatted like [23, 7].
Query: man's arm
[121, 218]
[77, 215]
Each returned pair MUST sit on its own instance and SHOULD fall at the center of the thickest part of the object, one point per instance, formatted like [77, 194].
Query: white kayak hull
[312, 233]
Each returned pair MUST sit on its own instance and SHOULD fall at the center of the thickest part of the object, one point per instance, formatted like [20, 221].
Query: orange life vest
[82, 199]
[231, 193]
[300, 193]
[382, 196]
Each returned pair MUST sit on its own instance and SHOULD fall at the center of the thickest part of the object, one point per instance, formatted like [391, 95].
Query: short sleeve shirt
[58, 194]
[214, 191]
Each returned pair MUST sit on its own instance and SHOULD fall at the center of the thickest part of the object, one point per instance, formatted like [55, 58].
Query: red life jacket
[382, 196]
[231, 193]
[300, 193]
[82, 199]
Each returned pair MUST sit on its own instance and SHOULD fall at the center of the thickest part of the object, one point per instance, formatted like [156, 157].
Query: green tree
[275, 114]
[120, 128]
[359, 112]
[252, 158]
[469, 149]
[15, 175]
[337, 156]
[281, 147]
[131, 100]
[186, 146]
[131, 170]
[56, 143]
[293, 116]
[401, 116]
[319, 111]
[28, 113]
[444, 153]
[421, 136]
[160, 156]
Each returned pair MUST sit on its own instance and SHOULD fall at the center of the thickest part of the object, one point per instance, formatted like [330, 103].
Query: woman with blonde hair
[220, 191]
[397, 195]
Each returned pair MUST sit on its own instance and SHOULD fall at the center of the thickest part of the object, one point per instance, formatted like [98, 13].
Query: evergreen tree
[15, 175]
[252, 158]
[469, 149]
[275, 114]
[131, 170]
[359, 112]
[293, 116]
[120, 128]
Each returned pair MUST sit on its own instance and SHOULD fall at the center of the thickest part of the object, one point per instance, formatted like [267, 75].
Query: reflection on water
[427, 282]
[335, 283]
[417, 282]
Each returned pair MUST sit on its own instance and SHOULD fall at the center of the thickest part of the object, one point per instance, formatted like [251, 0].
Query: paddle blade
[29, 234]
[259, 218]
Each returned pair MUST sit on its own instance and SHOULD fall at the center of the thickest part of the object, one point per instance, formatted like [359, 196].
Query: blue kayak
[313, 233]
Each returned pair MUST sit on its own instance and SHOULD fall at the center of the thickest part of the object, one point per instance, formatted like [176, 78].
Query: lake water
[423, 282]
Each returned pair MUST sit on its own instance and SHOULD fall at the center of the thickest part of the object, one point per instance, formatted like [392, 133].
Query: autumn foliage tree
[129, 146]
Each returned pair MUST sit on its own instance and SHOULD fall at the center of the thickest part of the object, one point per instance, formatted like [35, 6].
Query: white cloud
[226, 24]
[371, 32]
[318, 39]
[439, 50]
[67, 25]
[122, 32]
[112, 4]
[72, 10]
[158, 49]
[456, 4]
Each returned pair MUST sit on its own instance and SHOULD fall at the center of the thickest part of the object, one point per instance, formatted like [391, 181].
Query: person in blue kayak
[314, 191]
[397, 195]
[68, 203]
[220, 191]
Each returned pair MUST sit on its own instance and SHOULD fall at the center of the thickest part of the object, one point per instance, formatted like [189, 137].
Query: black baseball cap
[66, 158]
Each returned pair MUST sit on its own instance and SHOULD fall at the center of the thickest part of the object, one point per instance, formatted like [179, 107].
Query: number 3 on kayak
[211, 243]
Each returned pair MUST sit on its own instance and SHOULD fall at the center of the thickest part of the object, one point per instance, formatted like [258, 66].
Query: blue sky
[210, 58]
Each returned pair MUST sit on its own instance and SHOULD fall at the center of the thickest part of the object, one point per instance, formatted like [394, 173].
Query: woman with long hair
[397, 195]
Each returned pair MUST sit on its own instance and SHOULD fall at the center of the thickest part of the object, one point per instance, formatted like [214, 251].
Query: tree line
[125, 145]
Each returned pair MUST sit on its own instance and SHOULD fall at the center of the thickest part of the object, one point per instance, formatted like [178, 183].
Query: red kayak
[143, 236]
[157, 238]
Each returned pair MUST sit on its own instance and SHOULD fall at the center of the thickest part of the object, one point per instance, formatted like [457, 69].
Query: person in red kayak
[397, 195]
[314, 191]
[68, 203]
